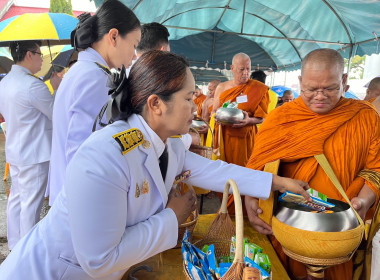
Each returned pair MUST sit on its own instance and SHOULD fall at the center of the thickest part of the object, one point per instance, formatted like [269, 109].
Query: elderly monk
[347, 131]
[373, 90]
[208, 102]
[198, 99]
[253, 98]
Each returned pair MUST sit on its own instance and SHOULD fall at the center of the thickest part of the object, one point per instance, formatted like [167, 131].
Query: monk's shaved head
[239, 56]
[324, 58]
[374, 84]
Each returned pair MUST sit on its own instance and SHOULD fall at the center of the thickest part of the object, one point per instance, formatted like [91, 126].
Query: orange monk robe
[198, 101]
[238, 142]
[371, 100]
[349, 136]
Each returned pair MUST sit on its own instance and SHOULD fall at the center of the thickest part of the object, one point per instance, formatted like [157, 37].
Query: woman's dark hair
[111, 14]
[155, 72]
[19, 49]
[53, 68]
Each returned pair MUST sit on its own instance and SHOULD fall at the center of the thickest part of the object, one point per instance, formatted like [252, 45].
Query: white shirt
[27, 106]
[100, 226]
[79, 99]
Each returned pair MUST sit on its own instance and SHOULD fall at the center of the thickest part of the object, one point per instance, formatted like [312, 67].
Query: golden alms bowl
[318, 235]
[229, 116]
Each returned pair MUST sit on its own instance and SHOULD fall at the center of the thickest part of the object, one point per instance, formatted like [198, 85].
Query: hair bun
[85, 33]
[83, 17]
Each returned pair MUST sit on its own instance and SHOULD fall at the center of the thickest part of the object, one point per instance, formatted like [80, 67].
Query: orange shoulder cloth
[292, 131]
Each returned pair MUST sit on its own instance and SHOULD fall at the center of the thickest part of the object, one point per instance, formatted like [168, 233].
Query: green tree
[357, 66]
[61, 6]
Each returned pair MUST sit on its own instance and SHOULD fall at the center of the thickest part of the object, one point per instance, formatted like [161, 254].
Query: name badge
[241, 99]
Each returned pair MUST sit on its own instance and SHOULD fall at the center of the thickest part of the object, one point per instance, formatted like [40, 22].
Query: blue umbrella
[280, 90]
[350, 94]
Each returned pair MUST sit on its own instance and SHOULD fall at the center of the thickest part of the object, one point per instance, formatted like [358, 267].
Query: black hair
[155, 72]
[53, 68]
[153, 36]
[111, 14]
[19, 49]
[259, 76]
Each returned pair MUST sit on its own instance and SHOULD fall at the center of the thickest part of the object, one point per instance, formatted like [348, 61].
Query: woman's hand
[284, 184]
[253, 211]
[182, 205]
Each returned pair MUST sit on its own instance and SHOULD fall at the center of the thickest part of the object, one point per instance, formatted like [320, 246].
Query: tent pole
[259, 35]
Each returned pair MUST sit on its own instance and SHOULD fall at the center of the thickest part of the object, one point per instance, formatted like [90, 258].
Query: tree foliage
[61, 6]
[356, 67]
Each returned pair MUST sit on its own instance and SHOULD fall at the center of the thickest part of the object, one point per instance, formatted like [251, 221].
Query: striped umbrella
[55, 28]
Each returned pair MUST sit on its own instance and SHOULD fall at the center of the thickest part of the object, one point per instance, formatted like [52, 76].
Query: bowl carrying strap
[324, 163]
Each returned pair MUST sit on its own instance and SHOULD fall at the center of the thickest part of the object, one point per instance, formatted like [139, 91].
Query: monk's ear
[344, 80]
[300, 79]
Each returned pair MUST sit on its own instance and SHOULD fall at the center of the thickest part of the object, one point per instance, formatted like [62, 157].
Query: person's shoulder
[224, 85]
[258, 84]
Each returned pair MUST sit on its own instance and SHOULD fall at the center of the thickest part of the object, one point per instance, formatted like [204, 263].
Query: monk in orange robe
[347, 131]
[207, 104]
[198, 98]
[373, 90]
[253, 98]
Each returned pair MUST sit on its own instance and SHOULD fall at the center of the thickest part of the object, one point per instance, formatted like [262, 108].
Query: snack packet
[263, 261]
[315, 204]
[251, 263]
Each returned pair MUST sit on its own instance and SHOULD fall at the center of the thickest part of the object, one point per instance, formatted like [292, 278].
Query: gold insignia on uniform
[129, 139]
[146, 144]
[145, 187]
[176, 136]
[137, 192]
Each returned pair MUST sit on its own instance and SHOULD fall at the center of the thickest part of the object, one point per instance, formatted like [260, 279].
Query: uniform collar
[157, 143]
[91, 55]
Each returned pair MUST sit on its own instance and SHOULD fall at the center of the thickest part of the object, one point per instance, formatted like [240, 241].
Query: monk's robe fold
[238, 142]
[349, 136]
[198, 101]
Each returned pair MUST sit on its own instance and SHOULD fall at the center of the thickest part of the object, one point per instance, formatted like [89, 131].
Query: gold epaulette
[129, 139]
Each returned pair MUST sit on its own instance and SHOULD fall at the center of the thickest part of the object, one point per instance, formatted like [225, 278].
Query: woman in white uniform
[109, 39]
[117, 208]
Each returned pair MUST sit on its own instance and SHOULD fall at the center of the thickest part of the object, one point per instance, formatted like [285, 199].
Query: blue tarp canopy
[276, 34]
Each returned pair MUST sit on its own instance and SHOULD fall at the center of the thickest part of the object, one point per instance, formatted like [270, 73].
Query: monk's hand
[247, 121]
[203, 130]
[283, 184]
[364, 201]
[182, 205]
[253, 211]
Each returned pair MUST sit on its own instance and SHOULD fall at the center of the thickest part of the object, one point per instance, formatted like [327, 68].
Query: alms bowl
[229, 116]
[198, 124]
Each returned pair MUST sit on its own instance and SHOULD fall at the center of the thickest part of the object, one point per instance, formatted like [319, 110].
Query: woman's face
[124, 51]
[178, 112]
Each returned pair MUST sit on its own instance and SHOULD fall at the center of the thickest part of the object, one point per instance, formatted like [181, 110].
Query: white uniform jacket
[27, 107]
[111, 213]
[79, 98]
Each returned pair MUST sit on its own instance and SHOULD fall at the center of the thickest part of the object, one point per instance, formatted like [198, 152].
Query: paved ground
[210, 205]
